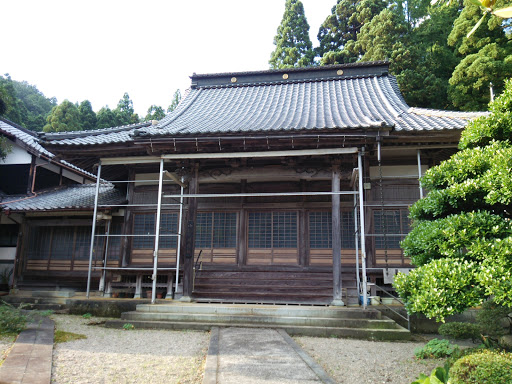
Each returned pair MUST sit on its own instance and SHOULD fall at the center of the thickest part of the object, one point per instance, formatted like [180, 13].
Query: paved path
[30, 360]
[255, 355]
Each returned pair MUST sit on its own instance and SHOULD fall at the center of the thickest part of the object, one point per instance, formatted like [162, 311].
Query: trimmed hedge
[486, 367]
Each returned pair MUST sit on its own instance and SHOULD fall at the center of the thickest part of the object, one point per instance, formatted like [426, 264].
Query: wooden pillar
[126, 243]
[188, 240]
[242, 228]
[30, 181]
[336, 237]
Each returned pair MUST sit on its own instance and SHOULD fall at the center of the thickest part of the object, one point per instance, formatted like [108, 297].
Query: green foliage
[458, 330]
[439, 375]
[86, 315]
[490, 319]
[338, 35]
[5, 148]
[436, 349]
[176, 98]
[87, 116]
[105, 118]
[484, 367]
[124, 113]
[293, 46]
[12, 320]
[462, 236]
[64, 117]
[128, 327]
[155, 112]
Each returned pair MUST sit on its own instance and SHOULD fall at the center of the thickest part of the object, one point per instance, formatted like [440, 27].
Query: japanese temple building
[282, 186]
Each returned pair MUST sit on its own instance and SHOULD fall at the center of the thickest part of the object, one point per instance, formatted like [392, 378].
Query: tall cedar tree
[486, 57]
[461, 239]
[339, 32]
[124, 112]
[293, 46]
[155, 112]
[87, 115]
[105, 118]
[176, 98]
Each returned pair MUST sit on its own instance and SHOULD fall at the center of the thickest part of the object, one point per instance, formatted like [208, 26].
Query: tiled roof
[70, 197]
[32, 143]
[341, 97]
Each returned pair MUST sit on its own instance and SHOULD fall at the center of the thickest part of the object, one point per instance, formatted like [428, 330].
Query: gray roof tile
[69, 197]
[361, 95]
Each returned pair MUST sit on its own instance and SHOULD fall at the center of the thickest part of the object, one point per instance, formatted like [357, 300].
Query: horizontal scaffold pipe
[134, 269]
[266, 194]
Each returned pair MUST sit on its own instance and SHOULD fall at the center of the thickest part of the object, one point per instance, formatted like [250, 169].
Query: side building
[273, 186]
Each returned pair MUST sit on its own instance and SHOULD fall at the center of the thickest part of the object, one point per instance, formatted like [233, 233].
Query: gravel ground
[119, 356]
[361, 362]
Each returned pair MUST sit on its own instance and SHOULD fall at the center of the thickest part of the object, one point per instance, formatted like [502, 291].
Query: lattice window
[204, 226]
[82, 243]
[62, 243]
[224, 230]
[39, 243]
[272, 229]
[144, 229]
[260, 229]
[169, 229]
[114, 242]
[320, 230]
[390, 226]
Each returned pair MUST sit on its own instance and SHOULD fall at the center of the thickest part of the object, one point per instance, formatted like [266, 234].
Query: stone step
[263, 319]
[356, 333]
[262, 310]
[56, 293]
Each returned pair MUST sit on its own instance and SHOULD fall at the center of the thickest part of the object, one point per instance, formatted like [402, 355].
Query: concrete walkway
[255, 355]
[30, 360]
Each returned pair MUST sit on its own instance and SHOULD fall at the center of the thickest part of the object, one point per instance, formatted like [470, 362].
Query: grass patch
[63, 336]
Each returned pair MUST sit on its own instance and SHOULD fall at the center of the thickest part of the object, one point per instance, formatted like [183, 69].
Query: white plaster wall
[7, 253]
[401, 171]
[17, 155]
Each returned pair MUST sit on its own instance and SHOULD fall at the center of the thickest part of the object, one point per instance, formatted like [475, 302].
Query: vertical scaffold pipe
[93, 230]
[419, 173]
[361, 220]
[356, 236]
[157, 230]
[178, 247]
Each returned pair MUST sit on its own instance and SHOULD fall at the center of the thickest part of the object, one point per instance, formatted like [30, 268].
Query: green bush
[486, 367]
[439, 375]
[436, 348]
[490, 318]
[457, 330]
[12, 320]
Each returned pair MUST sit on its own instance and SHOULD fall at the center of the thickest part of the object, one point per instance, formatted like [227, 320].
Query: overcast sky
[97, 50]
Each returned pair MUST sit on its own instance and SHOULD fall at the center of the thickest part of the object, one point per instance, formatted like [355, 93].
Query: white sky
[97, 50]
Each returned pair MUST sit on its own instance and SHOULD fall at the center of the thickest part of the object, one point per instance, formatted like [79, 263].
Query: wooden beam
[336, 236]
[175, 178]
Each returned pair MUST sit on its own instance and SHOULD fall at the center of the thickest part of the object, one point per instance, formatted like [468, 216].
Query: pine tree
[293, 46]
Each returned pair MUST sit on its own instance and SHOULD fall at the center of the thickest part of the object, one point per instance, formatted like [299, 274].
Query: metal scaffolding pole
[419, 173]
[93, 231]
[361, 213]
[157, 231]
[358, 279]
[178, 247]
[105, 258]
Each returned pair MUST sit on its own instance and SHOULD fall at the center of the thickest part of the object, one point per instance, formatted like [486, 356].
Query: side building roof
[339, 97]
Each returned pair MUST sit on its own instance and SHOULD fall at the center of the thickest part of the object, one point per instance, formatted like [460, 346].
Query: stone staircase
[271, 287]
[294, 319]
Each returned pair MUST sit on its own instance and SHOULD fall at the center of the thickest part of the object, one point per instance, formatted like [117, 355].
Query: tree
[105, 118]
[176, 99]
[426, 62]
[87, 116]
[64, 117]
[155, 112]
[487, 57]
[293, 46]
[124, 112]
[339, 32]
[462, 234]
